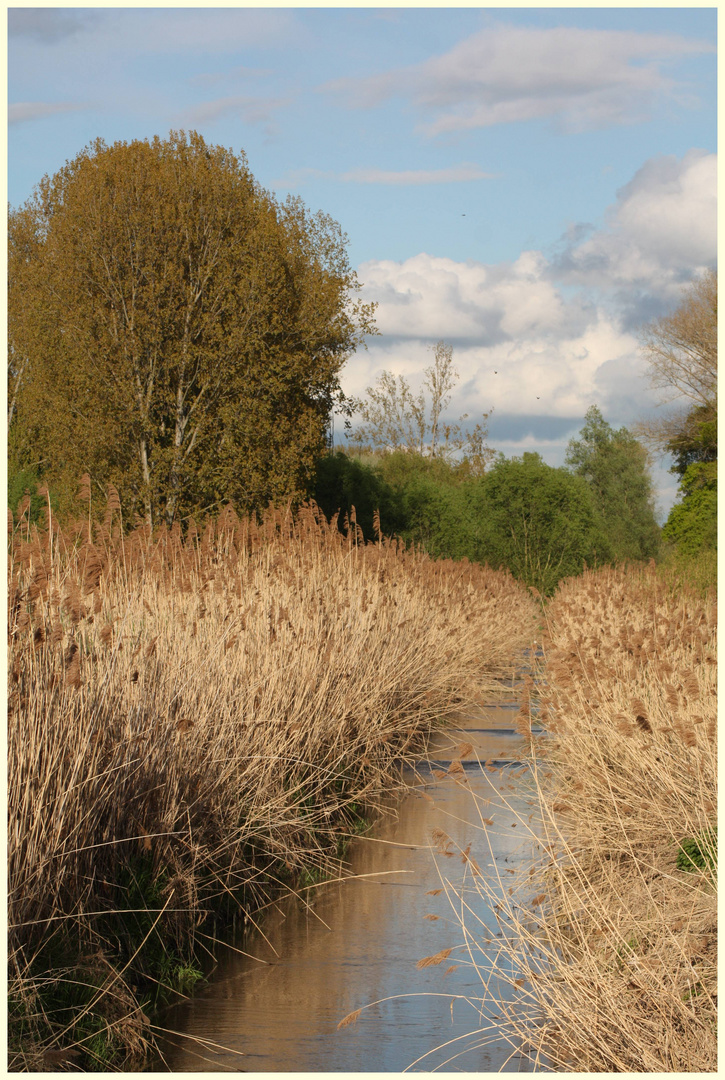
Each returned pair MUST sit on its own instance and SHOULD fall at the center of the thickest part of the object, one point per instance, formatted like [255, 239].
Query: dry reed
[213, 708]
[609, 939]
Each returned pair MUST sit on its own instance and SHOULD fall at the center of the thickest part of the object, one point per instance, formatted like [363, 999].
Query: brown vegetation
[192, 721]
[609, 940]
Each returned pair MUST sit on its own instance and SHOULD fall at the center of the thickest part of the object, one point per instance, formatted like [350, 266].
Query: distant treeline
[540, 522]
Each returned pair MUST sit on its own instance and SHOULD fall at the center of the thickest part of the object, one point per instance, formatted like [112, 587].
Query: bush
[692, 524]
[539, 522]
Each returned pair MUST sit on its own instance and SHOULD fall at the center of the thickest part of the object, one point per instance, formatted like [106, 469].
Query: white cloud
[526, 341]
[520, 345]
[584, 78]
[662, 229]
[431, 297]
[550, 337]
[23, 111]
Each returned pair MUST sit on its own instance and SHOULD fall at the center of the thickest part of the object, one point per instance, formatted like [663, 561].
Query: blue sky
[529, 184]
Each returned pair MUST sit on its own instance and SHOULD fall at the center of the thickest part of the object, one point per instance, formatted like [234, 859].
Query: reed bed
[192, 722]
[608, 938]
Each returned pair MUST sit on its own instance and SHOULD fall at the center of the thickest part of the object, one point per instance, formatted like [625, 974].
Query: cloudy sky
[531, 185]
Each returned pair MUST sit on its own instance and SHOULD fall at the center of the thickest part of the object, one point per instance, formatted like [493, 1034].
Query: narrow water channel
[359, 941]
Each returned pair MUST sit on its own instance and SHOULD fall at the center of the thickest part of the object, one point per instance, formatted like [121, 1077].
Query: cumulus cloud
[585, 79]
[23, 111]
[431, 296]
[521, 346]
[661, 230]
[550, 336]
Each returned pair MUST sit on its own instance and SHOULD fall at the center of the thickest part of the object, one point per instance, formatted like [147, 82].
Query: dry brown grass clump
[193, 720]
[612, 937]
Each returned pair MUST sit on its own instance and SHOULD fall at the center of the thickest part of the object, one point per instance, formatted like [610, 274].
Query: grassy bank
[610, 939]
[192, 724]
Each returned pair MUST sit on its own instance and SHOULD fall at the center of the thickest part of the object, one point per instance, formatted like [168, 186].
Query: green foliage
[699, 852]
[614, 465]
[523, 515]
[696, 441]
[343, 481]
[692, 523]
[682, 354]
[174, 330]
[22, 482]
[539, 522]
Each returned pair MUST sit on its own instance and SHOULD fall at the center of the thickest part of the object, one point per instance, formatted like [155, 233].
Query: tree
[614, 465]
[682, 354]
[395, 418]
[538, 521]
[174, 329]
[681, 348]
[692, 523]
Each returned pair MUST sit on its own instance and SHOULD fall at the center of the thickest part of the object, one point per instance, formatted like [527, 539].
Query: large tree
[174, 329]
[614, 465]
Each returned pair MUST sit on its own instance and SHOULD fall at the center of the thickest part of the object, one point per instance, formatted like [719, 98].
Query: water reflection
[360, 941]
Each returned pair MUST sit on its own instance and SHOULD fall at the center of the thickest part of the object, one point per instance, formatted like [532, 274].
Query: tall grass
[609, 939]
[192, 722]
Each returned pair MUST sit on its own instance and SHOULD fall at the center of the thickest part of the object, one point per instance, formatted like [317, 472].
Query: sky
[531, 185]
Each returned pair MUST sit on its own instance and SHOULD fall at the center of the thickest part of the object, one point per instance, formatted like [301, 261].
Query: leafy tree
[692, 523]
[395, 418]
[524, 515]
[343, 482]
[614, 465]
[696, 441]
[175, 330]
[682, 354]
[540, 521]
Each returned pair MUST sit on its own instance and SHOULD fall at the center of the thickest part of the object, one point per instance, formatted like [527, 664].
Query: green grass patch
[699, 853]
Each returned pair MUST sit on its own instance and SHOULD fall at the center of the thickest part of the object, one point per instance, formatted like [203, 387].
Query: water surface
[359, 941]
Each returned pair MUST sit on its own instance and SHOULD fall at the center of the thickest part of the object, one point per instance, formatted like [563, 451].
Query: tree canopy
[539, 521]
[681, 349]
[174, 329]
[682, 353]
[614, 465]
